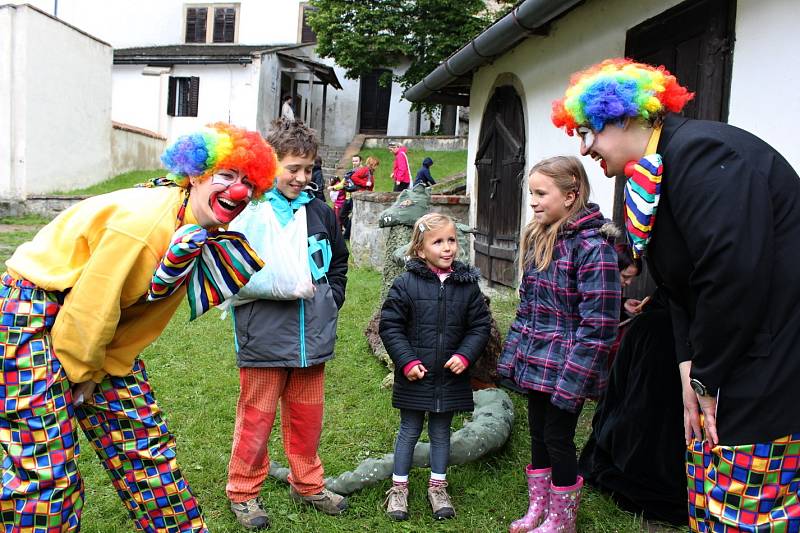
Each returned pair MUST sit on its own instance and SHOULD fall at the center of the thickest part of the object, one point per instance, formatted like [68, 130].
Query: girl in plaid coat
[558, 345]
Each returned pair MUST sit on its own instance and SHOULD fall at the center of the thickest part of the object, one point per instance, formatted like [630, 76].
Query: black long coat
[726, 247]
[423, 318]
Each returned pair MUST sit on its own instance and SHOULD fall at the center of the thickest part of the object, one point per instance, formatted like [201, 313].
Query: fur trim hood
[462, 272]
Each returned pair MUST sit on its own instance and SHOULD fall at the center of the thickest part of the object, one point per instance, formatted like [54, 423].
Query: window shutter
[196, 21]
[194, 95]
[173, 89]
[307, 35]
[224, 24]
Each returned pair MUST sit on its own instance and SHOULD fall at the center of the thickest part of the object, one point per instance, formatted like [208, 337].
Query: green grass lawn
[444, 164]
[193, 372]
[120, 181]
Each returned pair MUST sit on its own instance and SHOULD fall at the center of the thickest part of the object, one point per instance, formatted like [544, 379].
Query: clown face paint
[220, 198]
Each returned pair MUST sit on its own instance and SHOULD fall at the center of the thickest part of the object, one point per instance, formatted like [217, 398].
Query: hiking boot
[397, 502]
[440, 502]
[251, 514]
[326, 501]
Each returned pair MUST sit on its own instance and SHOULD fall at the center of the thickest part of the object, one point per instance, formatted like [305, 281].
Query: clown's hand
[82, 392]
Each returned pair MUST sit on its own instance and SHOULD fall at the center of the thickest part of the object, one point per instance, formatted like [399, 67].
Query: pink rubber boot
[538, 498]
[563, 512]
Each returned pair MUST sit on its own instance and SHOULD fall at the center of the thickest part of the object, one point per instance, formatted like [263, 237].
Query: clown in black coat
[430, 321]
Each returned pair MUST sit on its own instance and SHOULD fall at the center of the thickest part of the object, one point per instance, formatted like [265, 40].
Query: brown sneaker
[251, 514]
[326, 501]
[440, 502]
[397, 502]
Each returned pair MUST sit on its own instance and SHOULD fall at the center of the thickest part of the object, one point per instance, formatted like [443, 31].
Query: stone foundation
[368, 241]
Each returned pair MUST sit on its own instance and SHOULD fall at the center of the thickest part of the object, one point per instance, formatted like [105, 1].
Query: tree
[362, 35]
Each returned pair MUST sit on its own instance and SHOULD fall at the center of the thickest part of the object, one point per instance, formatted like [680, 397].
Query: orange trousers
[301, 395]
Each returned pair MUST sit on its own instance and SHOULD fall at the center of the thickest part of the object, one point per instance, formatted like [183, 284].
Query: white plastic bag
[284, 249]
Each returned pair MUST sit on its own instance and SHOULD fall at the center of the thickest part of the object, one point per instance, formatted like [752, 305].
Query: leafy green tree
[362, 35]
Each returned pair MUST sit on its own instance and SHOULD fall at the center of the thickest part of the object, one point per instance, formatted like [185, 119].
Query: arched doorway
[500, 162]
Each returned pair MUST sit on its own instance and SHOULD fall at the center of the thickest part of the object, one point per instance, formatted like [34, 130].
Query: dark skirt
[636, 450]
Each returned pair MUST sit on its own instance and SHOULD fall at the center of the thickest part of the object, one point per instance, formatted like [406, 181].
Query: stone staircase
[331, 160]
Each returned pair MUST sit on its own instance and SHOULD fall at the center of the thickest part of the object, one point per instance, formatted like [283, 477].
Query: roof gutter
[504, 34]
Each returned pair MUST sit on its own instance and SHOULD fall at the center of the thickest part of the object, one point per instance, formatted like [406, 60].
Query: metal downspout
[493, 41]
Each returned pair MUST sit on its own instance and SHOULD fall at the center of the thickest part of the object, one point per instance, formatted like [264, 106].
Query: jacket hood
[402, 149]
[427, 162]
[462, 272]
[590, 221]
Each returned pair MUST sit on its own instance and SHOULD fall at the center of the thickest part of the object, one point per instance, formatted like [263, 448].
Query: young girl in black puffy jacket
[434, 325]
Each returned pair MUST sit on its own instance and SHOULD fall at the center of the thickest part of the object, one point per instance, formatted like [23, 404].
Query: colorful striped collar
[642, 195]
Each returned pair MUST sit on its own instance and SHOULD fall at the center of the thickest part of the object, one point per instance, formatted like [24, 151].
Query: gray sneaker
[440, 502]
[251, 514]
[326, 501]
[397, 502]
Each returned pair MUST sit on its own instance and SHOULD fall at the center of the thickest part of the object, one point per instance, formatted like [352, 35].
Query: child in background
[424, 174]
[282, 345]
[401, 171]
[434, 325]
[364, 180]
[558, 345]
[339, 196]
[318, 179]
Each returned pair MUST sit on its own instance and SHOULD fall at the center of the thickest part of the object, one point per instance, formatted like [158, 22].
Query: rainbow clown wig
[616, 89]
[219, 146]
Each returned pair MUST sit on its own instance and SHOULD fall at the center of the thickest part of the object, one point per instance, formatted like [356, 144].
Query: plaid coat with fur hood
[567, 317]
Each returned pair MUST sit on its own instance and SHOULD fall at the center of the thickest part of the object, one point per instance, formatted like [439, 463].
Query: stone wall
[47, 206]
[135, 148]
[428, 143]
[368, 241]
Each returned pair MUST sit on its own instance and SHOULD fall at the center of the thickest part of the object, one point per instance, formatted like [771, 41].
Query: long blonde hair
[539, 240]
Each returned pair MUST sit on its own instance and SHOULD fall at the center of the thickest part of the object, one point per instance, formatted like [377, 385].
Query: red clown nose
[238, 192]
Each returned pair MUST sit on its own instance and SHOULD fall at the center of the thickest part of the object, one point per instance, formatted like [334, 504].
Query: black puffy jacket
[423, 318]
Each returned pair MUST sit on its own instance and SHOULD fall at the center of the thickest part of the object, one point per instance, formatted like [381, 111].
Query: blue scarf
[283, 208]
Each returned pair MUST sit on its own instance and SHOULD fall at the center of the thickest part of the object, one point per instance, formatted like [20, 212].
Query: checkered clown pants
[752, 488]
[42, 491]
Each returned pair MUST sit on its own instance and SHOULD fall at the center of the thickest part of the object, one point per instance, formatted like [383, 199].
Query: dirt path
[11, 228]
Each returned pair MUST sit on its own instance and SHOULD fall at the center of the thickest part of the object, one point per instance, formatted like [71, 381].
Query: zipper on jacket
[235, 337]
[303, 362]
[437, 399]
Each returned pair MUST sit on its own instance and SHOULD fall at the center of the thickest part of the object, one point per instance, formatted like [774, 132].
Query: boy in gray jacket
[282, 347]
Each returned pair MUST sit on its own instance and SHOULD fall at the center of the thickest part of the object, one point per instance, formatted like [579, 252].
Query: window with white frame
[211, 23]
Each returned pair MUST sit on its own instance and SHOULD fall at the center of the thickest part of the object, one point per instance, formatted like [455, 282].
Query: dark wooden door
[375, 99]
[693, 40]
[500, 162]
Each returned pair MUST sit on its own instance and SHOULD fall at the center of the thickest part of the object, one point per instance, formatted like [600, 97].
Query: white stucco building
[55, 104]
[178, 65]
[736, 56]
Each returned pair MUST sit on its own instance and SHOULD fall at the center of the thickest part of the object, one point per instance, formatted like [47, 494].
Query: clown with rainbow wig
[714, 211]
[82, 300]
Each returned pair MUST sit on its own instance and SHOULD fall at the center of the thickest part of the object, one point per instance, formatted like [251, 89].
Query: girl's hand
[418, 372]
[455, 364]
[632, 306]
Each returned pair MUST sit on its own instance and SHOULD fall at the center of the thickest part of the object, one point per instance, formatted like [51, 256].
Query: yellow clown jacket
[102, 253]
